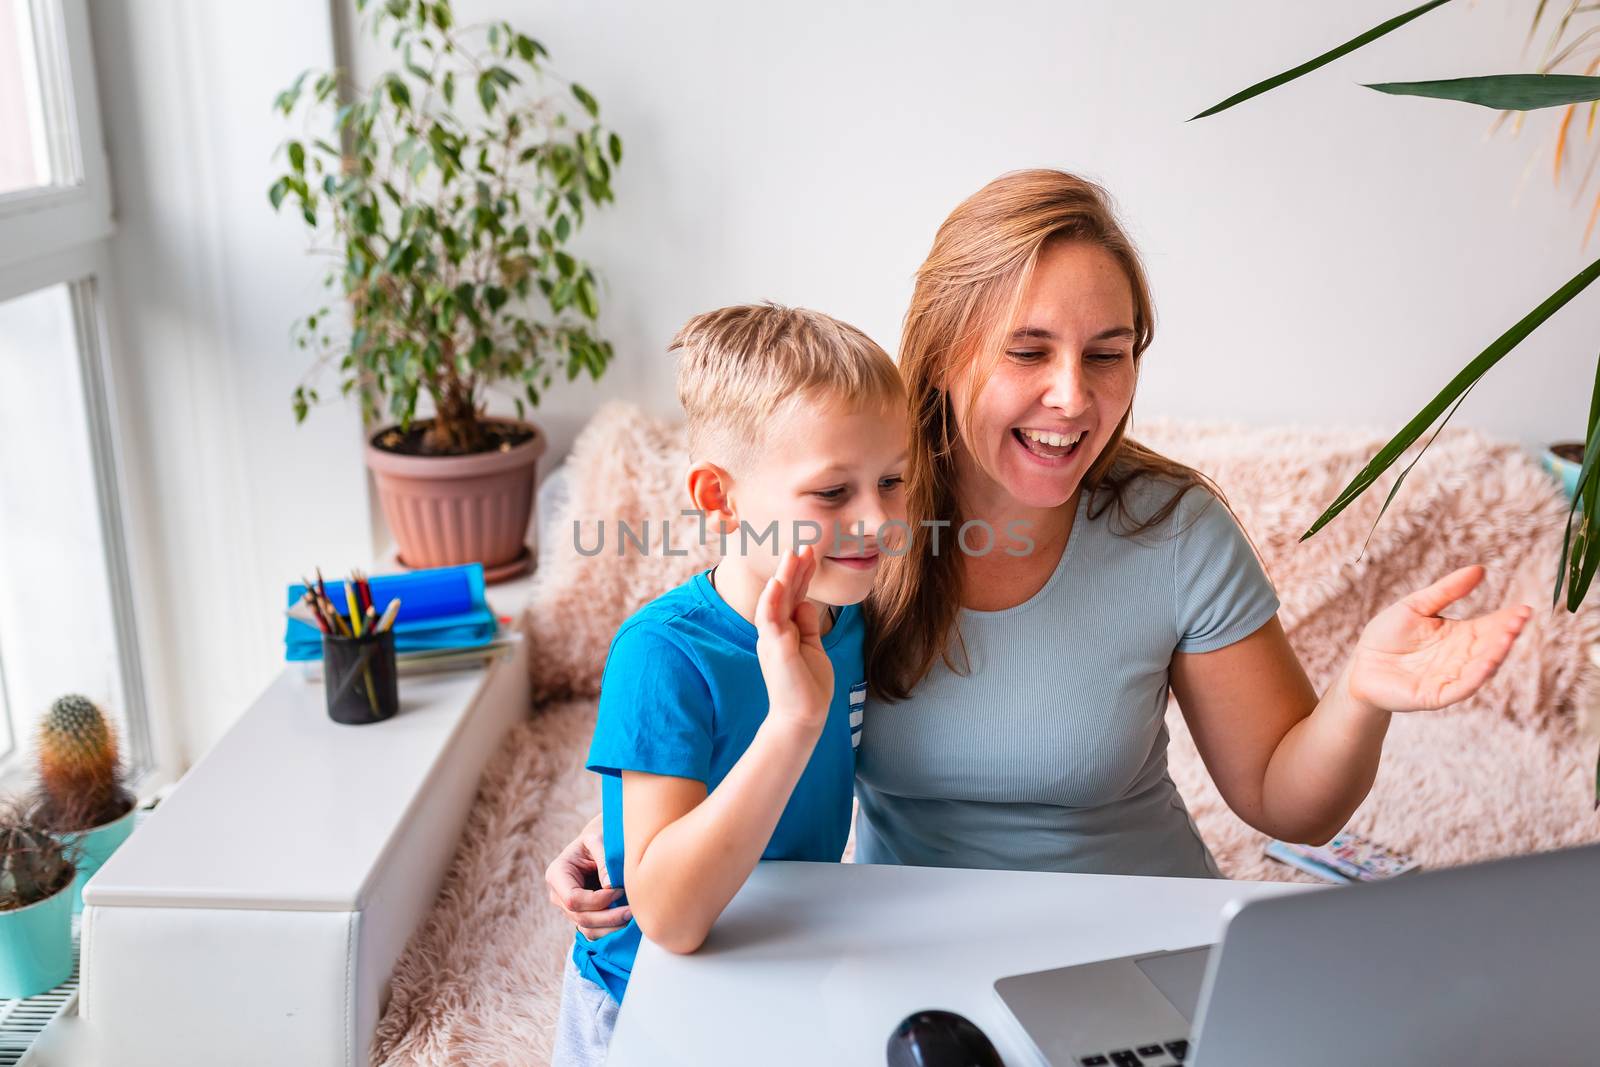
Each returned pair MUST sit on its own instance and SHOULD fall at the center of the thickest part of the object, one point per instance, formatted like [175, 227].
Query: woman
[1019, 692]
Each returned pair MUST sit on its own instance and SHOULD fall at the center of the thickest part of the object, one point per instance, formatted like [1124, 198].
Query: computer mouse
[940, 1039]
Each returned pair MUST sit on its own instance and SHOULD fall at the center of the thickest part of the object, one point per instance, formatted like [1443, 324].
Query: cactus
[80, 775]
[34, 864]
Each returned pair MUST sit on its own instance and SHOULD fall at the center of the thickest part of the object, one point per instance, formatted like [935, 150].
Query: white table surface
[336, 797]
[816, 963]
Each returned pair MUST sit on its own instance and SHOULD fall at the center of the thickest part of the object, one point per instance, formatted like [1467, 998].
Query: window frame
[37, 223]
[60, 234]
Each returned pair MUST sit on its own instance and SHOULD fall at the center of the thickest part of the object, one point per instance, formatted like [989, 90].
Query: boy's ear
[710, 490]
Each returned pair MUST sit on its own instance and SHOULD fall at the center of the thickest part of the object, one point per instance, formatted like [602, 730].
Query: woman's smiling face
[1063, 381]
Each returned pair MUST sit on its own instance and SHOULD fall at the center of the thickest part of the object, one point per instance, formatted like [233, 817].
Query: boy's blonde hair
[738, 366]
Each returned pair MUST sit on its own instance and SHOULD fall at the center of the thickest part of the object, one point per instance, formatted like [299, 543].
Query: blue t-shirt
[682, 695]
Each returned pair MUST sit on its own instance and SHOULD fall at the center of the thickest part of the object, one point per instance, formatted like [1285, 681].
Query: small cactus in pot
[37, 871]
[81, 778]
[34, 864]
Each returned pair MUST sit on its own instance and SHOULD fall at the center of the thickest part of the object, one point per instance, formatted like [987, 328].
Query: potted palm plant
[447, 192]
[1578, 465]
[82, 794]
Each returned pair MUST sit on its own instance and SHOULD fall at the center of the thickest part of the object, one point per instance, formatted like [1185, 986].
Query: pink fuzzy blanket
[1509, 771]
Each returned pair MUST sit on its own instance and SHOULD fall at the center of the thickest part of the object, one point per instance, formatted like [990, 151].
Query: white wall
[231, 500]
[1322, 255]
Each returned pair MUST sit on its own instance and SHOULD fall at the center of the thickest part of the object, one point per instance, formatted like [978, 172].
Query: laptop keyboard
[1155, 1054]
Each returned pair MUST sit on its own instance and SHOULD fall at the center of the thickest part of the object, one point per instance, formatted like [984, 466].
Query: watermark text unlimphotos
[974, 537]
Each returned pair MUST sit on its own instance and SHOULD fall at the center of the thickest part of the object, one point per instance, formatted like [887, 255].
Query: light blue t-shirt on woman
[1051, 755]
[682, 695]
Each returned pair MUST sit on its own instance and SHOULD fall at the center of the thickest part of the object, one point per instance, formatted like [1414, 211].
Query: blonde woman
[1018, 692]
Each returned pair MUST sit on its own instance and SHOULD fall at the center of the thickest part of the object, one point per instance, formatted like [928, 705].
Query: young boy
[725, 732]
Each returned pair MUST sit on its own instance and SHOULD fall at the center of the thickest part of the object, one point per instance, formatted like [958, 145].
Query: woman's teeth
[1049, 445]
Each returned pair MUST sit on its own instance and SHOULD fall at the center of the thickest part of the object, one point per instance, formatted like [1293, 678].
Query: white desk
[816, 963]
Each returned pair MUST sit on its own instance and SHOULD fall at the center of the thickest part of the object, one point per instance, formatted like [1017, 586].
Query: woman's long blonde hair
[968, 291]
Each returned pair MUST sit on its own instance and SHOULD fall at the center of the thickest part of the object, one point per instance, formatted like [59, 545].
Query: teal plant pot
[36, 945]
[1564, 470]
[94, 848]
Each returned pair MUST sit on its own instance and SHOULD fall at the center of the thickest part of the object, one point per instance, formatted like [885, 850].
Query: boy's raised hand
[797, 670]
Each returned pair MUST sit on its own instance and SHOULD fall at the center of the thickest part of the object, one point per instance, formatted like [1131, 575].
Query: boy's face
[824, 473]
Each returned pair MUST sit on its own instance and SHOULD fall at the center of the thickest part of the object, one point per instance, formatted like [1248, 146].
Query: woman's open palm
[1410, 659]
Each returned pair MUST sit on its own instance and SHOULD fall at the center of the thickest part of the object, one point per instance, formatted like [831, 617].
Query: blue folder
[442, 607]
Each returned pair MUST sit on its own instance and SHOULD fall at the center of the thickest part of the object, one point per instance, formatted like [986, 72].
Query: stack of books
[444, 621]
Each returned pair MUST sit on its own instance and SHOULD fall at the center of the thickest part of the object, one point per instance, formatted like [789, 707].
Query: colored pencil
[386, 623]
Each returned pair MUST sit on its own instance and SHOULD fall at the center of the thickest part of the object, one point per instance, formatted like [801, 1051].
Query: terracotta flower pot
[449, 510]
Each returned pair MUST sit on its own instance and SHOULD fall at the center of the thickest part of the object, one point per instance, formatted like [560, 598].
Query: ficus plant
[446, 194]
[1519, 93]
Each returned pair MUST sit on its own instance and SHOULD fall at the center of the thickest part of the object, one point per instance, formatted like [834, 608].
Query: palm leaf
[1538, 13]
[1512, 92]
[1323, 60]
[1453, 392]
[1561, 140]
[1561, 28]
[1586, 553]
[1550, 64]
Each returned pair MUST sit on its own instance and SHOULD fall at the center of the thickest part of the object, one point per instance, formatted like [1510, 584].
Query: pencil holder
[360, 677]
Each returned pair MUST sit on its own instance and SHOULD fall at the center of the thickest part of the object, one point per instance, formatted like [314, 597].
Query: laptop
[1493, 963]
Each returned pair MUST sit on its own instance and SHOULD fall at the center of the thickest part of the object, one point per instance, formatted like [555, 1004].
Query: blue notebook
[442, 607]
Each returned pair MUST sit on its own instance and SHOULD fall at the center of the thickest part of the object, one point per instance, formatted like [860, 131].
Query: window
[66, 611]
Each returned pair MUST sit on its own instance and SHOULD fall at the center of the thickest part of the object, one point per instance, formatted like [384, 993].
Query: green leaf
[1588, 491]
[1454, 392]
[588, 301]
[586, 100]
[297, 156]
[616, 149]
[1323, 60]
[1503, 92]
[286, 100]
[399, 95]
[486, 92]
[279, 190]
[410, 64]
[450, 87]
[563, 227]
